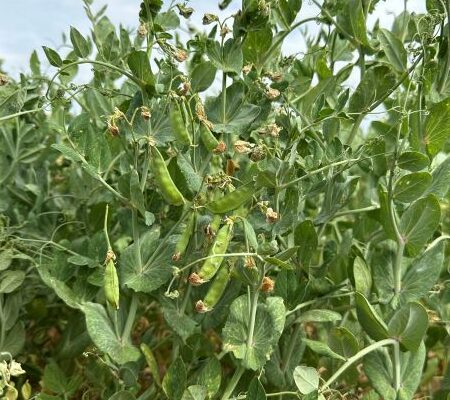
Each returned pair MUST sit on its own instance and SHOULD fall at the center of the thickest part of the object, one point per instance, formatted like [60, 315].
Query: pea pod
[207, 138]
[183, 242]
[178, 126]
[163, 179]
[220, 246]
[232, 200]
[111, 284]
[217, 288]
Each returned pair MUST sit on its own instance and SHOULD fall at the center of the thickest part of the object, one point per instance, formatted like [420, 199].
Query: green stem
[18, 114]
[355, 211]
[251, 328]
[292, 343]
[397, 367]
[105, 228]
[444, 77]
[233, 382]
[355, 128]
[130, 317]
[361, 62]
[356, 357]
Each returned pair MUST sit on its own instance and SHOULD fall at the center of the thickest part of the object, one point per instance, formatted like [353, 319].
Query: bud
[3, 80]
[221, 148]
[267, 285]
[180, 55]
[142, 30]
[271, 129]
[26, 390]
[243, 147]
[113, 129]
[271, 216]
[195, 280]
[185, 88]
[176, 257]
[173, 294]
[201, 307]
[258, 154]
[249, 262]
[272, 94]
[110, 255]
[224, 31]
[145, 113]
[209, 19]
[247, 68]
[184, 11]
[275, 76]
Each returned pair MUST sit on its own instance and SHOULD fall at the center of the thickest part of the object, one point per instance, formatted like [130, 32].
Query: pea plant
[212, 217]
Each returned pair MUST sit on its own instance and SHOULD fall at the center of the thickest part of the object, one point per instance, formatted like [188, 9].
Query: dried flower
[247, 68]
[15, 368]
[185, 88]
[195, 280]
[224, 31]
[249, 262]
[110, 255]
[271, 216]
[145, 113]
[243, 147]
[275, 76]
[176, 257]
[113, 129]
[258, 154]
[142, 30]
[267, 285]
[221, 148]
[184, 11]
[272, 94]
[209, 19]
[201, 307]
[180, 55]
[3, 80]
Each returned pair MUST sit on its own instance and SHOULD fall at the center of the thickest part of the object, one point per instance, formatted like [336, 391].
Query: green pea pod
[220, 246]
[178, 126]
[111, 284]
[207, 138]
[151, 362]
[232, 200]
[163, 179]
[183, 242]
[218, 286]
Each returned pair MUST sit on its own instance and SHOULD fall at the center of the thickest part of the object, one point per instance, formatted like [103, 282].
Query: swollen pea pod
[215, 291]
[111, 284]
[207, 138]
[211, 265]
[232, 200]
[178, 126]
[163, 179]
[183, 242]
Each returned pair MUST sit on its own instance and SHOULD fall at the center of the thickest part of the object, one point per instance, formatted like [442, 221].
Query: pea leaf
[256, 390]
[319, 316]
[286, 12]
[10, 280]
[411, 186]
[419, 222]
[195, 392]
[408, 325]
[305, 237]
[306, 379]
[202, 76]
[210, 376]
[122, 395]
[139, 64]
[413, 161]
[369, 318]
[393, 48]
[175, 379]
[79, 43]
[53, 57]
[352, 20]
[228, 59]
[343, 342]
[362, 276]
[102, 333]
[255, 46]
[437, 126]
[322, 349]
[269, 324]
[138, 273]
[441, 179]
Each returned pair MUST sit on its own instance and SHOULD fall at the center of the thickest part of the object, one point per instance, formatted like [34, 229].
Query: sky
[26, 25]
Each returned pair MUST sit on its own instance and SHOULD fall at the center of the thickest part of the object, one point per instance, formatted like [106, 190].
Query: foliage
[273, 225]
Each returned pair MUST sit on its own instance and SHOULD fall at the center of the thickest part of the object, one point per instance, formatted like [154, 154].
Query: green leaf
[393, 48]
[53, 57]
[437, 126]
[413, 161]
[168, 20]
[122, 395]
[228, 59]
[147, 272]
[140, 67]
[256, 390]
[441, 179]
[202, 76]
[79, 43]
[322, 349]
[286, 12]
[6, 257]
[411, 186]
[195, 392]
[238, 114]
[352, 20]
[369, 318]
[379, 369]
[14, 340]
[306, 379]
[67, 152]
[419, 222]
[255, 46]
[101, 331]
[174, 381]
[385, 216]
[182, 324]
[343, 342]
[362, 276]
[269, 324]
[319, 316]
[151, 363]
[10, 280]
[305, 237]
[376, 83]
[11, 100]
[408, 325]
[54, 378]
[210, 376]
[422, 274]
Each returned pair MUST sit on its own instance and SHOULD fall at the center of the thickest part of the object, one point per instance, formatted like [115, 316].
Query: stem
[398, 267]
[356, 211]
[105, 228]
[233, 382]
[130, 317]
[355, 128]
[361, 62]
[251, 328]
[292, 343]
[444, 77]
[224, 95]
[397, 367]
[356, 357]
[18, 114]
